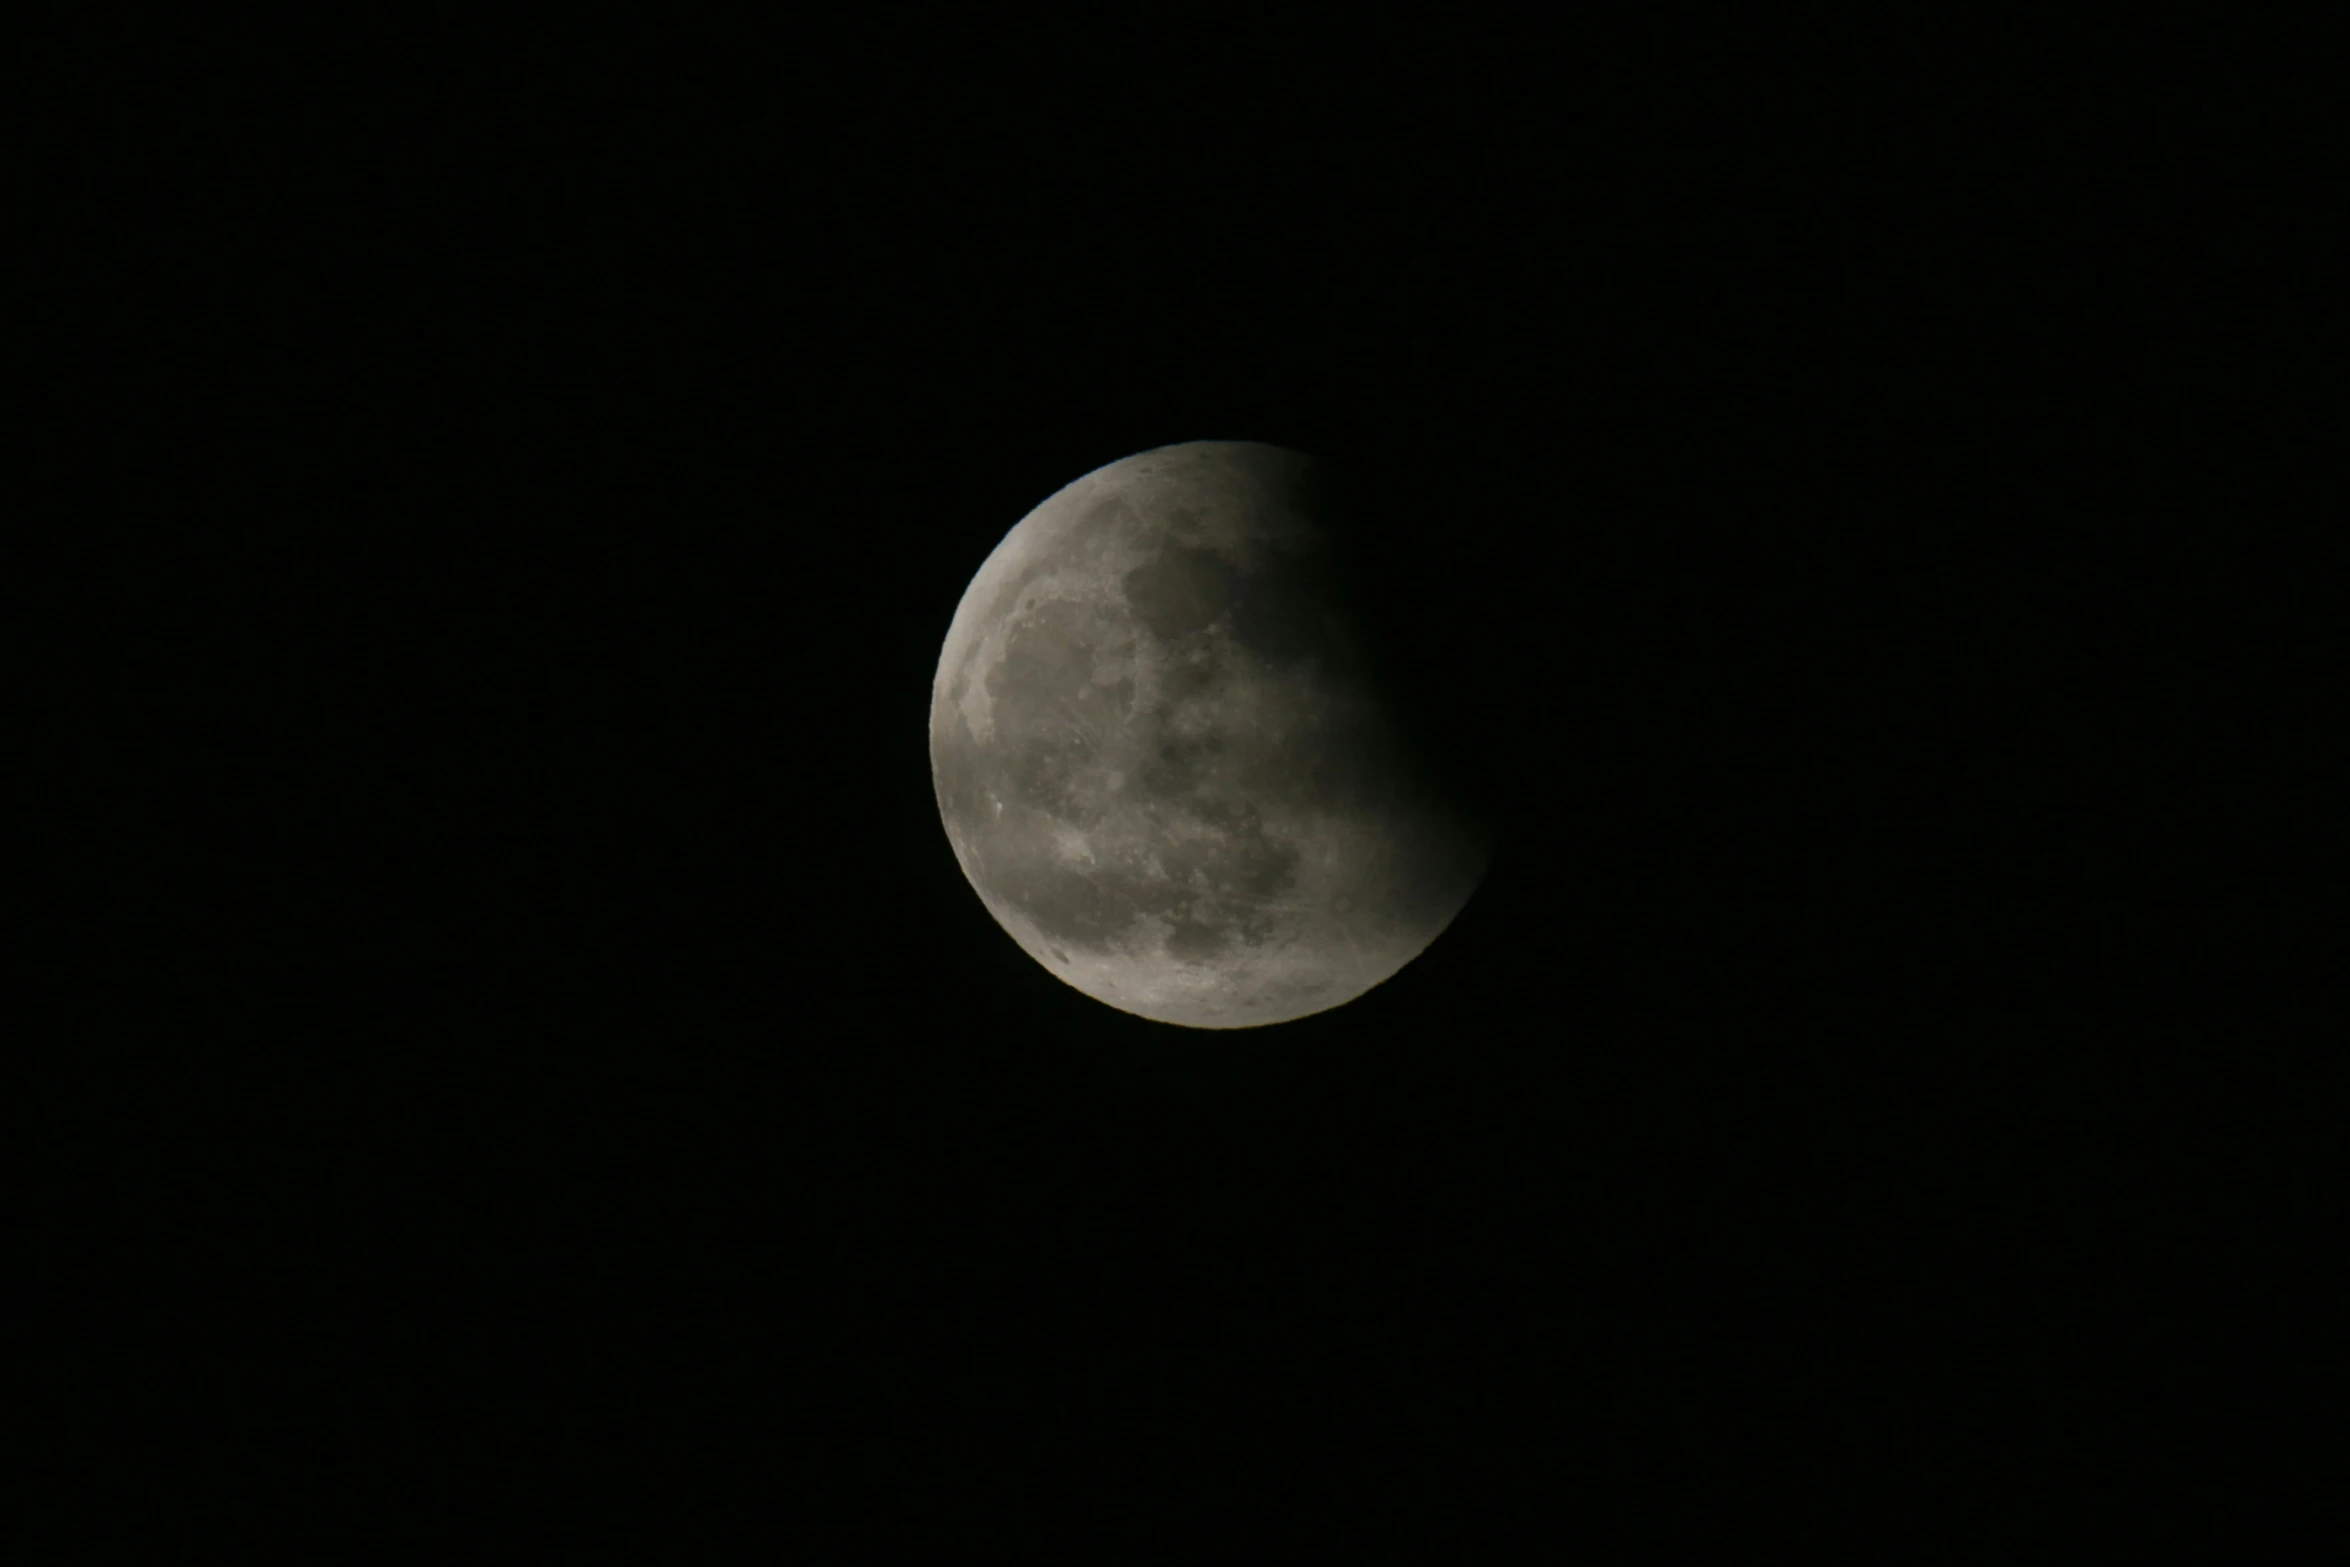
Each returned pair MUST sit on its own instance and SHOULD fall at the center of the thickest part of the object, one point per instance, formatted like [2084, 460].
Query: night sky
[1868, 523]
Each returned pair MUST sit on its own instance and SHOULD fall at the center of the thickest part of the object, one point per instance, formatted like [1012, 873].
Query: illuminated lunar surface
[1161, 758]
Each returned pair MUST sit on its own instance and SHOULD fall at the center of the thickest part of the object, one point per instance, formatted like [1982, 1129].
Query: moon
[1162, 757]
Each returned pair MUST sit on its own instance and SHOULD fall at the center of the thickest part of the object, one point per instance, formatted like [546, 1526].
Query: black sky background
[1866, 518]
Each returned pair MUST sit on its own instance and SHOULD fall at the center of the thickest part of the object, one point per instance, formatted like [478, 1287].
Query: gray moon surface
[1162, 758]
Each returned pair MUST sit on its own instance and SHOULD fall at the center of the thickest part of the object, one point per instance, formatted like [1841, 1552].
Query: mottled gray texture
[1160, 760]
